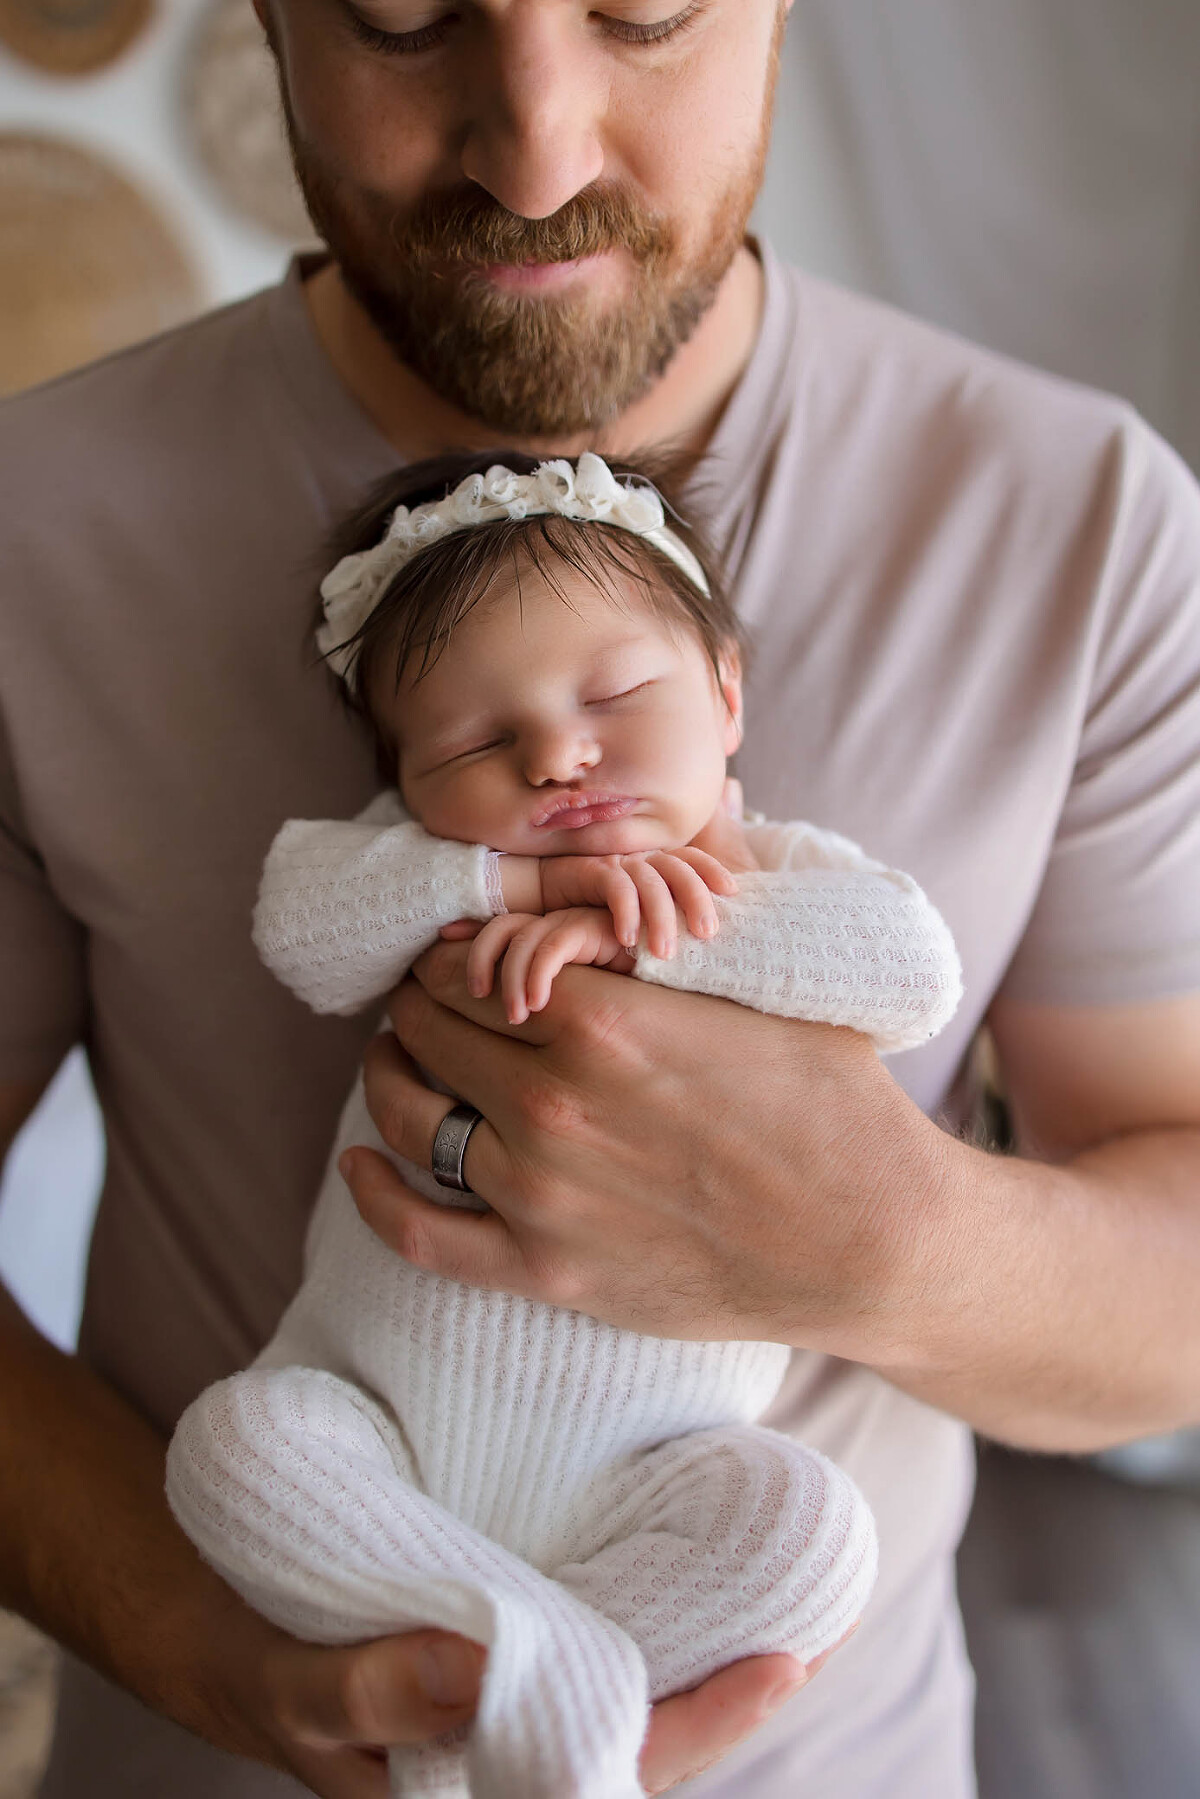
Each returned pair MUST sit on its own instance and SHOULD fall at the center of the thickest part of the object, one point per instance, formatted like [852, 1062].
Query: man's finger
[476, 1248]
[692, 1730]
[407, 1114]
[402, 1689]
[441, 973]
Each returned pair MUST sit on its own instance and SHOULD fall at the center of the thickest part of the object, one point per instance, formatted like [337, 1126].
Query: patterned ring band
[450, 1146]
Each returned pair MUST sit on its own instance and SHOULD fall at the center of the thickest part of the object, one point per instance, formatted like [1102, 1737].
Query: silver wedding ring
[450, 1146]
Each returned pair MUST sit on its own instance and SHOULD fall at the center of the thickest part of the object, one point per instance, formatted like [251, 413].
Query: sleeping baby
[551, 670]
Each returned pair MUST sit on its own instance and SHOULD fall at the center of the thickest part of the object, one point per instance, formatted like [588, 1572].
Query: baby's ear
[729, 665]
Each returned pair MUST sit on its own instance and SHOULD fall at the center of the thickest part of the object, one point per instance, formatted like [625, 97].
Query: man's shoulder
[861, 340]
[132, 406]
[906, 394]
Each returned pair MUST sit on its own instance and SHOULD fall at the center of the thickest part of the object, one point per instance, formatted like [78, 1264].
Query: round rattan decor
[235, 122]
[71, 37]
[86, 263]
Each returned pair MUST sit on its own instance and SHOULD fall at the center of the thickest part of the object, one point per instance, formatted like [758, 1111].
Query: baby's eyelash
[625, 694]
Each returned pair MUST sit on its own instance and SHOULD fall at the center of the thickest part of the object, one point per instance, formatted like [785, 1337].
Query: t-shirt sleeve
[43, 986]
[1117, 918]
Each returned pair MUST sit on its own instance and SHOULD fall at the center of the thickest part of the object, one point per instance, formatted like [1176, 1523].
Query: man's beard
[536, 368]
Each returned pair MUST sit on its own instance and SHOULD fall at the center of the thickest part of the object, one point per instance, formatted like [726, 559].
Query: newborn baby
[552, 674]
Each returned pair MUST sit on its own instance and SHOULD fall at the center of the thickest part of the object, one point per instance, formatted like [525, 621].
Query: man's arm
[1087, 1244]
[90, 1553]
[689, 1168]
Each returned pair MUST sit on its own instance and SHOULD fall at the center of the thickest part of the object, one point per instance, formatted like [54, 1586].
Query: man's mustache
[466, 225]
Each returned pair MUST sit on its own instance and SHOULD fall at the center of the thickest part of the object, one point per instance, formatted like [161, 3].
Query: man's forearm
[88, 1548]
[1054, 1306]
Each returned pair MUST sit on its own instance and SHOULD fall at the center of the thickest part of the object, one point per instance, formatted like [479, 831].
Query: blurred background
[1026, 173]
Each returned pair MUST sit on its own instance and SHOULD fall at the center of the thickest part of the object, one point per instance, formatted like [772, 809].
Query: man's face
[534, 200]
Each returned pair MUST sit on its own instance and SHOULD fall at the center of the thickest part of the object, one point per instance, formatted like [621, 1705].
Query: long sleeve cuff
[345, 908]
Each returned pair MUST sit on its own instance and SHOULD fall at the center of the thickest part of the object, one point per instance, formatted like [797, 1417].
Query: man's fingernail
[345, 1164]
[449, 1673]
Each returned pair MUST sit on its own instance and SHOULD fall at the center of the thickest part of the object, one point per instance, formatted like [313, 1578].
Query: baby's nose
[560, 756]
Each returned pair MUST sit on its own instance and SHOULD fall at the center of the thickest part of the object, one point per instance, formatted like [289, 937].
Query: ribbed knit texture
[597, 1507]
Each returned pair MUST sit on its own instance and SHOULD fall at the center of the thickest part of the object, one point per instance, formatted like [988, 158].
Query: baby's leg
[301, 1492]
[724, 1544]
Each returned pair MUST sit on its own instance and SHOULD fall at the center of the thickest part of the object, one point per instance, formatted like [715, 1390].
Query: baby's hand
[534, 949]
[642, 888]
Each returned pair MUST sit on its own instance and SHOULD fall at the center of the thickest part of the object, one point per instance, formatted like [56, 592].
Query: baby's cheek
[476, 806]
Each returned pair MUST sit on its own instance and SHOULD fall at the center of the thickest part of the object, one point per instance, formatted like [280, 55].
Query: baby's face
[552, 727]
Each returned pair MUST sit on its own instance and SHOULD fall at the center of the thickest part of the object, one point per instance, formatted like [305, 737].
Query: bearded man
[973, 592]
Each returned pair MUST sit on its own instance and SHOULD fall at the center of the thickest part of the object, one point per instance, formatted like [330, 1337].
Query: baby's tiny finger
[696, 901]
[550, 957]
[514, 974]
[658, 911]
[621, 898]
[712, 871]
[486, 951]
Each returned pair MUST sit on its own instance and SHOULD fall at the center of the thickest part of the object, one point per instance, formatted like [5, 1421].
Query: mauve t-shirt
[973, 595]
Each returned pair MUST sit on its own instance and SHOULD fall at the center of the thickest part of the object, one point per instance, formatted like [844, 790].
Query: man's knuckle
[603, 1026]
[440, 969]
[414, 1241]
[360, 1695]
[549, 1107]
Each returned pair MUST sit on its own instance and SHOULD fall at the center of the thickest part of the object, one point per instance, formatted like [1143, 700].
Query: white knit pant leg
[724, 1544]
[299, 1490]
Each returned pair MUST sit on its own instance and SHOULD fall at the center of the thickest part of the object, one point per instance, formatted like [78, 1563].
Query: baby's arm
[827, 934]
[346, 906]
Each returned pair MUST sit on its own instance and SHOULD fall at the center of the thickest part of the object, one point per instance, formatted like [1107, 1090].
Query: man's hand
[90, 1553]
[670, 1163]
[325, 1715]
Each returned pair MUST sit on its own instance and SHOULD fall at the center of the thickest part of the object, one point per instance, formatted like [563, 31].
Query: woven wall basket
[234, 121]
[71, 37]
[86, 263]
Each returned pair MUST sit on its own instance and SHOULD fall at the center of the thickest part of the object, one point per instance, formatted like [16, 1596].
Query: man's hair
[420, 609]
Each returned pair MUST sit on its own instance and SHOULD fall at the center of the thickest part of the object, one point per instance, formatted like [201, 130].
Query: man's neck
[680, 412]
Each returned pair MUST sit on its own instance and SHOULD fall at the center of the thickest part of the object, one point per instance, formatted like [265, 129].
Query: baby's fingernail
[449, 1673]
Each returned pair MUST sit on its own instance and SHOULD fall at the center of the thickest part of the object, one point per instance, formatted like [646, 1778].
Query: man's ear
[729, 665]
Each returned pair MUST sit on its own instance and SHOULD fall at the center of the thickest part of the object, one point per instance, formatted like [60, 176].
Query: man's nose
[560, 755]
[532, 142]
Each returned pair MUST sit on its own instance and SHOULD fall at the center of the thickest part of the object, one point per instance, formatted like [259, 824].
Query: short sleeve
[1117, 918]
[43, 990]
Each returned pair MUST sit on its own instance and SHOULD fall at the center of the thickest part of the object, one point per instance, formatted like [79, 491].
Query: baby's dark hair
[429, 597]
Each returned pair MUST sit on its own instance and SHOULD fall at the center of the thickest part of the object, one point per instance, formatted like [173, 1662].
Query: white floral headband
[589, 491]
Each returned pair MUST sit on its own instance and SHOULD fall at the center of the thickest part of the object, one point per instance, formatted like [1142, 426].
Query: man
[978, 649]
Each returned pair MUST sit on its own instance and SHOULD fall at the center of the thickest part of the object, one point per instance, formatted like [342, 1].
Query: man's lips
[572, 811]
[534, 277]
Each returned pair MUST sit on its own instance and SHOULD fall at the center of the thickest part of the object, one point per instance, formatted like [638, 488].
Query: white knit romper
[597, 1507]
